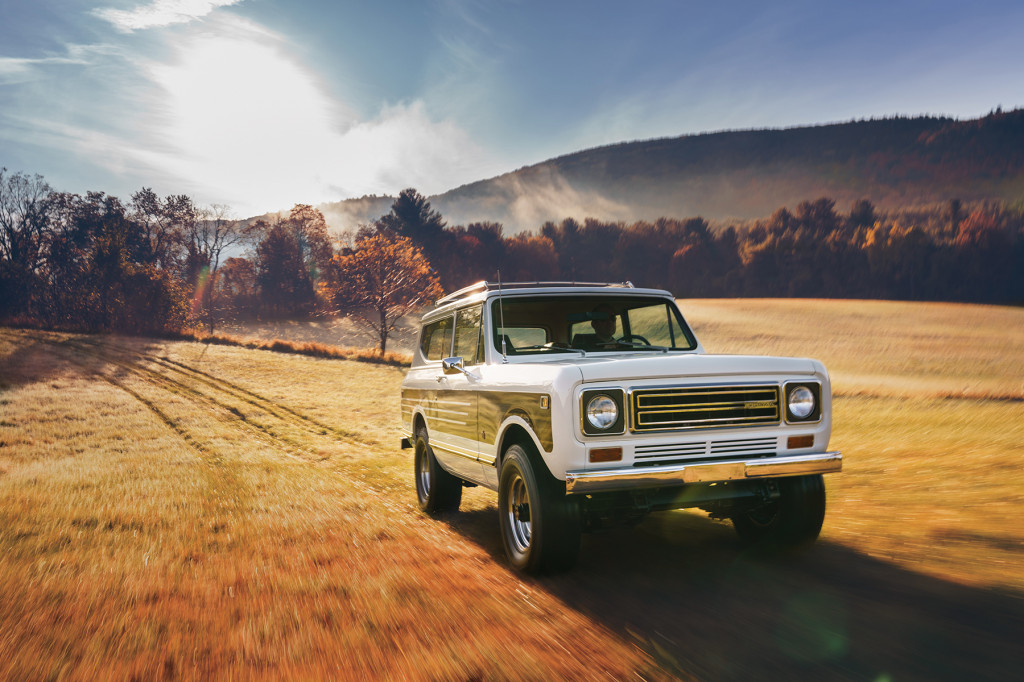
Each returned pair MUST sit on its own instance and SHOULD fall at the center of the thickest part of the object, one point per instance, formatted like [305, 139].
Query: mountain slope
[895, 163]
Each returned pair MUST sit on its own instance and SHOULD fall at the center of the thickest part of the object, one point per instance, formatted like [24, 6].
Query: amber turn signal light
[606, 455]
[795, 442]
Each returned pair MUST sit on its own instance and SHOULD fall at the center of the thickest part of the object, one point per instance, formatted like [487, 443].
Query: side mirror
[453, 366]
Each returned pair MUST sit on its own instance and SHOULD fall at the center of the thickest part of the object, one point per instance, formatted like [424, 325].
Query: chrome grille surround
[678, 408]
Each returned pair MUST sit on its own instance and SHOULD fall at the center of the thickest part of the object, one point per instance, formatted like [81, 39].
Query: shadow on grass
[39, 357]
[30, 361]
[683, 590]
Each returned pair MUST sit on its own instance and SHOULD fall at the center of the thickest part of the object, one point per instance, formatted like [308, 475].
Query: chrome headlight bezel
[602, 413]
[803, 402]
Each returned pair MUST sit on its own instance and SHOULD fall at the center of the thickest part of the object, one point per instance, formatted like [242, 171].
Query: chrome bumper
[627, 478]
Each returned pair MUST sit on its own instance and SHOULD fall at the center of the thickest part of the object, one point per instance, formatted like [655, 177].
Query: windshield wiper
[644, 346]
[555, 349]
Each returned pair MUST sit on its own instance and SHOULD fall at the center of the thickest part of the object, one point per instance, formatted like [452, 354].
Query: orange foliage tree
[382, 279]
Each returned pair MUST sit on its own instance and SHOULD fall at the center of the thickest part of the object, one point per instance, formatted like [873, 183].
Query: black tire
[792, 520]
[436, 489]
[540, 525]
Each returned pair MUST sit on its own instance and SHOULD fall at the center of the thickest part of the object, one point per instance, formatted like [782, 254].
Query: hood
[659, 366]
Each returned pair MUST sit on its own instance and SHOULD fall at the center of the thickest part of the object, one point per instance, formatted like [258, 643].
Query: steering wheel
[635, 338]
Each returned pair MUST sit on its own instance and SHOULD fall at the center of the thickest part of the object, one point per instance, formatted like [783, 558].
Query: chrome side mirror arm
[454, 365]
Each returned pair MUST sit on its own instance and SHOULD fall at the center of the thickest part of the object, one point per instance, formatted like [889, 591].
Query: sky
[262, 104]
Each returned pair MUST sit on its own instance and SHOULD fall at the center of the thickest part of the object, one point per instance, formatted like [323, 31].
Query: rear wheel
[540, 525]
[436, 489]
[793, 519]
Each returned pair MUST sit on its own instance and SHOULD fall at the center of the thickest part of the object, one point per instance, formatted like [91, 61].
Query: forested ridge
[896, 163]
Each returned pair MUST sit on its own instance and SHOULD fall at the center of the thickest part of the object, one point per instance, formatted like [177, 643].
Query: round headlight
[602, 412]
[801, 402]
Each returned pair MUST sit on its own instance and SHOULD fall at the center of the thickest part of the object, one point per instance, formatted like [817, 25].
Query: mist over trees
[954, 252]
[156, 265]
[742, 175]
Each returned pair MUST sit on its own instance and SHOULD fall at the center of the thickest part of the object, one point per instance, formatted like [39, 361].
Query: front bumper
[629, 478]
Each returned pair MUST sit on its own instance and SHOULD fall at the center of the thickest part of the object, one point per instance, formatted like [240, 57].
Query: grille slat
[662, 409]
[649, 455]
[675, 451]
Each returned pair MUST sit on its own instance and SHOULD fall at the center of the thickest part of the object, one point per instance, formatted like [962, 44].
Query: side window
[467, 335]
[436, 341]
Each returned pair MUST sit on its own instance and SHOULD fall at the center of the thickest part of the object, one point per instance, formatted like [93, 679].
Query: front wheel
[540, 526]
[793, 519]
[436, 489]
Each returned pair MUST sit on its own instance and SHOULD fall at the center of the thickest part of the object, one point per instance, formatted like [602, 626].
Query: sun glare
[246, 123]
[244, 115]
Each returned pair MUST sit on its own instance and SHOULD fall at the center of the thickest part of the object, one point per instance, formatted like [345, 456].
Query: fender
[513, 419]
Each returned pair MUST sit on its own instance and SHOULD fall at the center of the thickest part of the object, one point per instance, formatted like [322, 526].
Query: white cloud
[232, 116]
[249, 126]
[160, 13]
[21, 69]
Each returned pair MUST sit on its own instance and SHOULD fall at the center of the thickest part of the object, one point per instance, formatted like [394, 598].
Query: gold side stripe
[441, 419]
[438, 410]
[425, 401]
[454, 449]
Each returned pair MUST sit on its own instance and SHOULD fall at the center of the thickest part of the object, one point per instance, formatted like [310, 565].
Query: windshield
[585, 324]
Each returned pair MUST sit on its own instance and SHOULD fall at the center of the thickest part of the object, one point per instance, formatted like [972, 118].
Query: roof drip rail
[488, 286]
[463, 292]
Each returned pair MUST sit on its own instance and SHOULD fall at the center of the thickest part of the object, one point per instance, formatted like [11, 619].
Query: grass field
[176, 510]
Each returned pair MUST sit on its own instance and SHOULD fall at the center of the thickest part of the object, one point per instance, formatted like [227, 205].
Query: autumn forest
[157, 265]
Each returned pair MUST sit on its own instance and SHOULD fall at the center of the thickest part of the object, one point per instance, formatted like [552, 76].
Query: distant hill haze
[740, 175]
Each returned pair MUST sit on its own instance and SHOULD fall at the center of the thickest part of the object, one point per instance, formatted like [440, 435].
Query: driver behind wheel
[603, 321]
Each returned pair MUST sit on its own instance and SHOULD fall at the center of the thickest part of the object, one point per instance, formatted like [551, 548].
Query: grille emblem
[759, 404]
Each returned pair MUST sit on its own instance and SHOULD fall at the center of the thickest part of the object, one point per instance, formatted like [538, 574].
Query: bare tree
[24, 223]
[211, 233]
[164, 225]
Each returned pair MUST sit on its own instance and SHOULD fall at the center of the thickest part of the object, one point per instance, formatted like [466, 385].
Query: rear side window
[436, 341]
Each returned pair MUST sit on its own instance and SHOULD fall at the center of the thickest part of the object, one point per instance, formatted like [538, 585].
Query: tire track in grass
[277, 410]
[255, 398]
[266, 424]
[267, 431]
[220, 473]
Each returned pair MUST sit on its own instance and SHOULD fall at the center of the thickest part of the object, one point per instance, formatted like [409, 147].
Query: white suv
[589, 404]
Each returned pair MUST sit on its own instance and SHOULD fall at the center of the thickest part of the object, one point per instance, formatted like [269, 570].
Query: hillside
[896, 163]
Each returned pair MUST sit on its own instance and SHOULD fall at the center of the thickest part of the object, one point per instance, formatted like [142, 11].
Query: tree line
[953, 252]
[160, 265]
[151, 264]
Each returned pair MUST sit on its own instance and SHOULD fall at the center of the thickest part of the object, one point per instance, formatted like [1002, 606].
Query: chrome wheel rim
[423, 475]
[518, 512]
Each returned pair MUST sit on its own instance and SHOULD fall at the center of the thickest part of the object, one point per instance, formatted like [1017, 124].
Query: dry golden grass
[187, 510]
[165, 513]
[312, 348]
[331, 331]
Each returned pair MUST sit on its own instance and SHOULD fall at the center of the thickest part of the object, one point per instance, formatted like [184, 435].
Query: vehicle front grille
[679, 453]
[703, 407]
